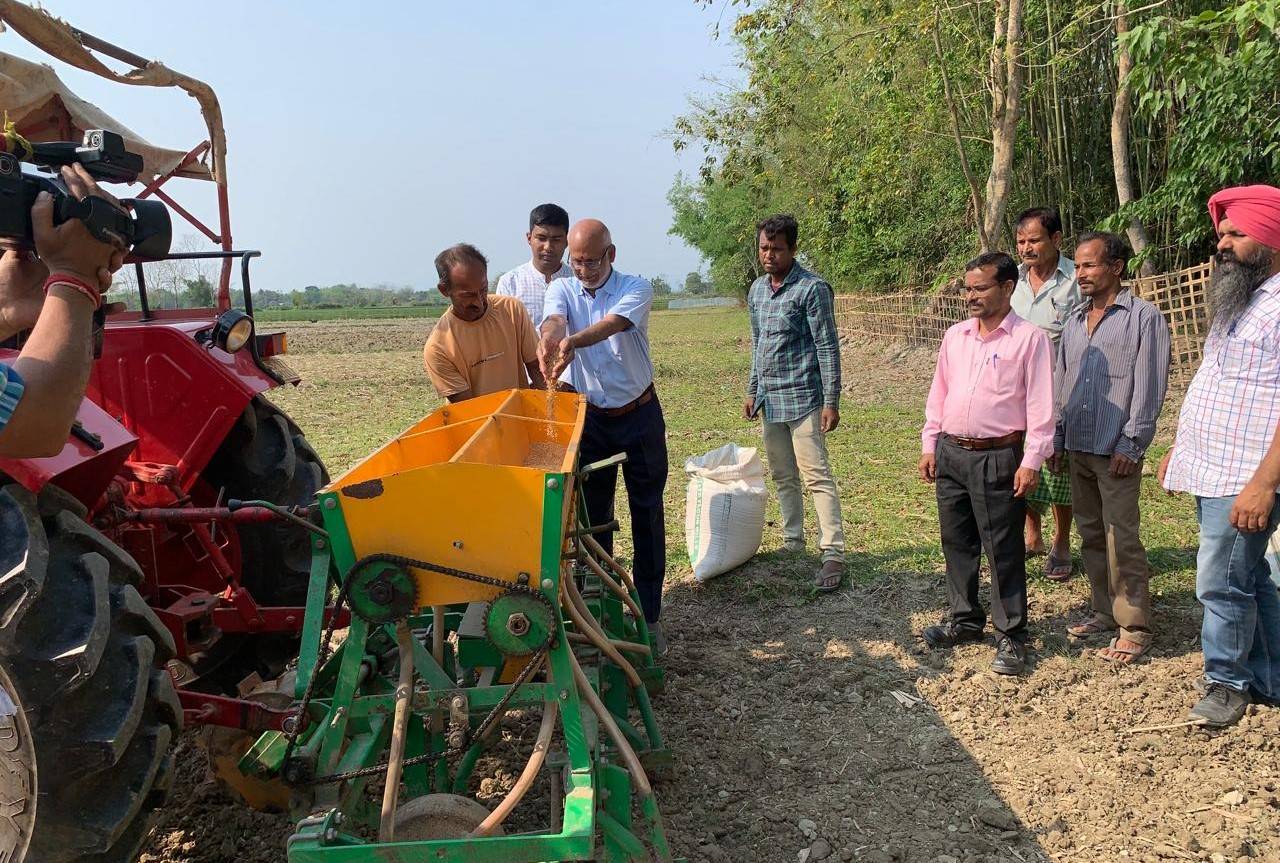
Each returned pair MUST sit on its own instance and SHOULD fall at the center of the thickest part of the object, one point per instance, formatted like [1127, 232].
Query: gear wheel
[381, 592]
[518, 623]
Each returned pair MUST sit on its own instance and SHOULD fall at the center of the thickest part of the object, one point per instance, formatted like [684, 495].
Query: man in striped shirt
[41, 390]
[1227, 454]
[548, 237]
[1109, 384]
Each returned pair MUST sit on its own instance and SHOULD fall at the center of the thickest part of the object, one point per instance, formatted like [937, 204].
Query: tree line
[905, 136]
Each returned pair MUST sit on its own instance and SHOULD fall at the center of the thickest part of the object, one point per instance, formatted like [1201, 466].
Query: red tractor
[136, 590]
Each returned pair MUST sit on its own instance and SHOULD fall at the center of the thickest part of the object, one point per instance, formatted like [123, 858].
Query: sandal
[1058, 568]
[1113, 652]
[1089, 628]
[828, 578]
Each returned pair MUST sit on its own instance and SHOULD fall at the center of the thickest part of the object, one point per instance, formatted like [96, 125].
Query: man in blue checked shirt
[596, 324]
[795, 382]
[41, 390]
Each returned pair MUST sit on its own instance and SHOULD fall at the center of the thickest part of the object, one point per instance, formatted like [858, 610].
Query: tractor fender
[89, 460]
[155, 395]
[179, 395]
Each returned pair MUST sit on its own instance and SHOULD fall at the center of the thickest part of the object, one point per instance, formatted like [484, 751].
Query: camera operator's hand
[70, 248]
[21, 278]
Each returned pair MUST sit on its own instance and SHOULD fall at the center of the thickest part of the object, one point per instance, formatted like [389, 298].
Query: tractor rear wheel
[88, 713]
[266, 457]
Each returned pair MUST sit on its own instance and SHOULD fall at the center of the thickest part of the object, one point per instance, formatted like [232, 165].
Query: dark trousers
[978, 512]
[642, 435]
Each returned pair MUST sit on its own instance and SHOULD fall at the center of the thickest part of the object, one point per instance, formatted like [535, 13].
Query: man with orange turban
[1227, 454]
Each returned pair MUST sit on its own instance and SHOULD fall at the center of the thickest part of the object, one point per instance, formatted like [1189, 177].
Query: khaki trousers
[799, 448]
[1106, 514]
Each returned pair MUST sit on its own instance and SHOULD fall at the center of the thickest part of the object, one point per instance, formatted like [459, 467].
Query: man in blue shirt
[795, 381]
[596, 323]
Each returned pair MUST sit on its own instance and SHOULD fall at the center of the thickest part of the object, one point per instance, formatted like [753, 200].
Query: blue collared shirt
[613, 372]
[1109, 385]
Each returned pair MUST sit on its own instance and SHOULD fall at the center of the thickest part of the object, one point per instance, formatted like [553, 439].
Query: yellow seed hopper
[484, 465]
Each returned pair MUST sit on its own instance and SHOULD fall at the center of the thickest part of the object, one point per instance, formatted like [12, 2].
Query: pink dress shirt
[993, 386]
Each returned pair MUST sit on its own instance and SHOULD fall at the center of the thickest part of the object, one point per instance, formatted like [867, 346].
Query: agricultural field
[358, 314]
[816, 728]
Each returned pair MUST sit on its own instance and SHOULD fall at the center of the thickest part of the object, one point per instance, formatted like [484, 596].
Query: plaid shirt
[10, 391]
[1232, 407]
[795, 354]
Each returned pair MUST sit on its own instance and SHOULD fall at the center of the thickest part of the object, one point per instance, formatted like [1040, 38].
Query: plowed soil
[817, 728]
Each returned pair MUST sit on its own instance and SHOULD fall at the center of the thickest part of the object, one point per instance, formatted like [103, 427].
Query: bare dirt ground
[808, 729]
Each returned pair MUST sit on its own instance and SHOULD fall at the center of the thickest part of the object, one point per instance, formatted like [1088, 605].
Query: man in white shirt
[548, 237]
[1045, 294]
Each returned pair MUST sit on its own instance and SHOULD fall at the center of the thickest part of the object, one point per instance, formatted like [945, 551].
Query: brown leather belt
[643, 399]
[980, 443]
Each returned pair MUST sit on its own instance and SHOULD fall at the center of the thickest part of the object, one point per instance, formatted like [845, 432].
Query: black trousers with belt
[642, 435]
[978, 512]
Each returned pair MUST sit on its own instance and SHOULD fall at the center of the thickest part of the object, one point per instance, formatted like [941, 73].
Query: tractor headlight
[232, 330]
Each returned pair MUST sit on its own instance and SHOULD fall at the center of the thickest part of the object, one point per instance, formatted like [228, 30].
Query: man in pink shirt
[988, 428]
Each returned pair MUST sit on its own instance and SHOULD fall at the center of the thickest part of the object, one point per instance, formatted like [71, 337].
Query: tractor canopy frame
[47, 110]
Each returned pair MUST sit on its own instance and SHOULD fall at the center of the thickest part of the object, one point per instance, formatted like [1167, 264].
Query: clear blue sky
[365, 137]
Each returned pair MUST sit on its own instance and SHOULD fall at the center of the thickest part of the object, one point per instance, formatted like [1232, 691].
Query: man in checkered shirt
[1227, 454]
[548, 237]
[795, 381]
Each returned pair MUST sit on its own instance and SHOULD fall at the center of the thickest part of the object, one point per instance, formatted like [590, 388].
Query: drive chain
[499, 708]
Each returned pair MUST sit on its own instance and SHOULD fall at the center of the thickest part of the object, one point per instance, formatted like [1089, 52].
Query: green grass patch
[357, 397]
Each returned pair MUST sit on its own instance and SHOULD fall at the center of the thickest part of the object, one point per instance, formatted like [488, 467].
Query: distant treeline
[190, 284]
[907, 136]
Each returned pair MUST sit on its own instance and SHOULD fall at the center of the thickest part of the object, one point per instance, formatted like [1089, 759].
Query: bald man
[596, 324]
[1227, 454]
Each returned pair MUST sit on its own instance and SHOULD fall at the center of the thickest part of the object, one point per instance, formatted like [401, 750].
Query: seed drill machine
[476, 591]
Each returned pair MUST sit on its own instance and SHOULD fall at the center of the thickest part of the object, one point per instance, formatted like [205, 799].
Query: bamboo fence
[914, 317]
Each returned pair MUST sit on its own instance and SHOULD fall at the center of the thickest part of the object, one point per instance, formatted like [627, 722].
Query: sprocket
[382, 592]
[518, 623]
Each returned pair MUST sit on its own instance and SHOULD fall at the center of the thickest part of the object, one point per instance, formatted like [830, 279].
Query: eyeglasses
[977, 289]
[591, 263]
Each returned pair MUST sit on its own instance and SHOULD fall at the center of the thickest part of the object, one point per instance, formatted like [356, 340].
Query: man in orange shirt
[481, 344]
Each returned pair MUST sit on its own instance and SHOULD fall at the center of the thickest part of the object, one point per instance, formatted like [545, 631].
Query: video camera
[145, 232]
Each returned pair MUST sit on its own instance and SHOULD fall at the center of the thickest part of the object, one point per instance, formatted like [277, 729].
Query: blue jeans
[1240, 635]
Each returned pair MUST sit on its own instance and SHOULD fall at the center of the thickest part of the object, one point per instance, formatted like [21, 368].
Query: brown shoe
[829, 577]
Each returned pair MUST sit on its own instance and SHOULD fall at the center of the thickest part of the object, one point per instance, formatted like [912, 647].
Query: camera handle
[107, 222]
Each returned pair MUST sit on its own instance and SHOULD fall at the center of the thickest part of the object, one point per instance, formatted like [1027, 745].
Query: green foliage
[1210, 83]
[841, 125]
[198, 293]
[661, 287]
[718, 218]
[842, 121]
[696, 286]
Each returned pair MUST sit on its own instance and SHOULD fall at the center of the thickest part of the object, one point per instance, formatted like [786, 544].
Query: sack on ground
[724, 509]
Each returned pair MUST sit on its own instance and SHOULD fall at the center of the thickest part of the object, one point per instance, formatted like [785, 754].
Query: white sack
[724, 509]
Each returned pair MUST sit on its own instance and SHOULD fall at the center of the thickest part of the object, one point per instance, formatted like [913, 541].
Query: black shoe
[1261, 700]
[1221, 706]
[1011, 656]
[949, 635]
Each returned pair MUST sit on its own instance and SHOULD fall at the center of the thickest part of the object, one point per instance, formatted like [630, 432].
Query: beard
[1233, 282]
